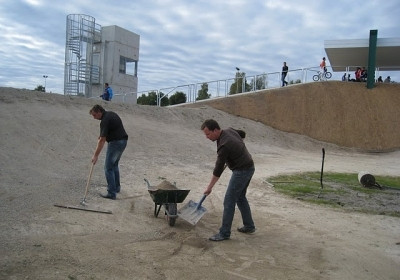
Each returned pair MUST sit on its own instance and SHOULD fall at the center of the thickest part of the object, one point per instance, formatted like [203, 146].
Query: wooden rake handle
[88, 181]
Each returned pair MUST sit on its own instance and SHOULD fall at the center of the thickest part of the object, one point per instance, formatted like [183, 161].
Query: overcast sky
[188, 41]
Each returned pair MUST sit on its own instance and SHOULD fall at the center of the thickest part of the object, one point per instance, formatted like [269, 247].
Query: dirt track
[48, 140]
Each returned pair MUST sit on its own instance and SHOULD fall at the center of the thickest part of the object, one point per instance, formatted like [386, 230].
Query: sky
[188, 41]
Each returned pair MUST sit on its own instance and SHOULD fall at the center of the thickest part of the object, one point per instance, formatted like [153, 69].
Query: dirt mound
[166, 185]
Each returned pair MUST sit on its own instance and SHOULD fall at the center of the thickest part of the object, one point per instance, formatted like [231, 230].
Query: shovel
[192, 212]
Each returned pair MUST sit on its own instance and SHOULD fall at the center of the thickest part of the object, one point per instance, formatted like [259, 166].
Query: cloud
[184, 42]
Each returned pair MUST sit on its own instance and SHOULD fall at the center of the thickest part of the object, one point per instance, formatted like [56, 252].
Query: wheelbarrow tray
[165, 196]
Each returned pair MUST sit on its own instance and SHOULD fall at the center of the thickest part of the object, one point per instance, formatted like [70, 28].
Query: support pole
[373, 37]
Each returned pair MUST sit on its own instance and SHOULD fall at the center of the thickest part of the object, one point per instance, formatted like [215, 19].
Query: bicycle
[322, 76]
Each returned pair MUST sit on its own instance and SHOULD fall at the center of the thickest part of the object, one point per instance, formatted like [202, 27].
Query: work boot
[246, 230]
[218, 237]
[109, 196]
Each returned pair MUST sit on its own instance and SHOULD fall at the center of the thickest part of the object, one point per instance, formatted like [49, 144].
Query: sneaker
[246, 230]
[218, 237]
[109, 196]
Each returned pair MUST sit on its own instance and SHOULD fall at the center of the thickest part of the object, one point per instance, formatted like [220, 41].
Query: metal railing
[250, 83]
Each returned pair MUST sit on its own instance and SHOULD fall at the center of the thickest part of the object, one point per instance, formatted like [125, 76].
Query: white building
[95, 55]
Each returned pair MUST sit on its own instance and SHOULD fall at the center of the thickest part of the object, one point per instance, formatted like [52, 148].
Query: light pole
[45, 77]
[237, 81]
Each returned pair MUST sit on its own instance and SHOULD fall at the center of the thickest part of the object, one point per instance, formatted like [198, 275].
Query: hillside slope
[46, 146]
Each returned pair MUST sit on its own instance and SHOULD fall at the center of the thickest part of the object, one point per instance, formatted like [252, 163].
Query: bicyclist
[322, 65]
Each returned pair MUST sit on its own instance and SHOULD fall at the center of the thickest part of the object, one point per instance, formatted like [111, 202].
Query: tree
[164, 99]
[261, 82]
[151, 99]
[203, 92]
[247, 87]
[237, 86]
[177, 98]
[40, 88]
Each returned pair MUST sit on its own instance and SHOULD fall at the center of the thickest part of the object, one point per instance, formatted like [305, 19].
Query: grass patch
[342, 190]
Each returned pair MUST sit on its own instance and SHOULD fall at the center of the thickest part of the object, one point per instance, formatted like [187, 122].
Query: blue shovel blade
[192, 212]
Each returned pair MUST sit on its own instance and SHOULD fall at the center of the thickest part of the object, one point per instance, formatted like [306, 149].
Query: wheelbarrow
[168, 198]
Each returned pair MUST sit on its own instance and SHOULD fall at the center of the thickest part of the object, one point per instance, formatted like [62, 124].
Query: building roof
[354, 53]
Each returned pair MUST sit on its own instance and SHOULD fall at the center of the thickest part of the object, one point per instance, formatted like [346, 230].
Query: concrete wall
[117, 42]
[344, 113]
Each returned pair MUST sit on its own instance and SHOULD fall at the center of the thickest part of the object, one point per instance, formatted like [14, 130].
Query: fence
[222, 88]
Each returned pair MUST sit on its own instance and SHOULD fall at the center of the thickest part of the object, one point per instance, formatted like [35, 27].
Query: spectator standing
[358, 74]
[285, 70]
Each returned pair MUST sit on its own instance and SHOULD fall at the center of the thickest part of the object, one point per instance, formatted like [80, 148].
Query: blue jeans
[283, 79]
[236, 195]
[111, 169]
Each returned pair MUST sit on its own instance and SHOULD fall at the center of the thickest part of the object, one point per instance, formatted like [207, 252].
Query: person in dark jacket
[232, 152]
[113, 132]
[285, 70]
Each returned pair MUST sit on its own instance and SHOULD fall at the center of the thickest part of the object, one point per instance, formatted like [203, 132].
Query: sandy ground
[46, 146]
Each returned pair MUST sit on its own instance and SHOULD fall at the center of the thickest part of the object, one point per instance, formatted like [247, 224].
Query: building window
[127, 66]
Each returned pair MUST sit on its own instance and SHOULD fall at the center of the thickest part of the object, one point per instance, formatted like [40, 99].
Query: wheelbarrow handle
[201, 201]
[148, 184]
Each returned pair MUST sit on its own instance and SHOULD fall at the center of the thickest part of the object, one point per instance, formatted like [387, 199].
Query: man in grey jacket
[233, 153]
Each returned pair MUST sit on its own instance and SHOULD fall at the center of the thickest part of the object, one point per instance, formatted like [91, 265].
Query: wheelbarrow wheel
[172, 210]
